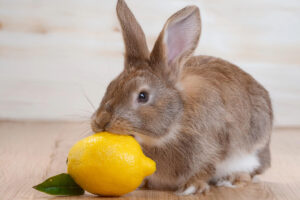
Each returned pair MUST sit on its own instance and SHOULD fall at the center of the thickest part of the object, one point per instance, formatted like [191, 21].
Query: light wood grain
[32, 151]
[54, 52]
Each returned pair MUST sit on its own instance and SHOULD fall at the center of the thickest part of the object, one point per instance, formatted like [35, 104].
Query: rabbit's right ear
[134, 38]
[176, 42]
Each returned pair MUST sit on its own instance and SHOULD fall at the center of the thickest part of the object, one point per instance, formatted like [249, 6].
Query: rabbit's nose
[101, 121]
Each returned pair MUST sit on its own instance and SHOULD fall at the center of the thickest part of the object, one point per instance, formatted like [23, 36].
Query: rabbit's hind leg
[237, 179]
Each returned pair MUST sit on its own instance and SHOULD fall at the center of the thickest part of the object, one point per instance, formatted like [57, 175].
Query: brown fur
[201, 109]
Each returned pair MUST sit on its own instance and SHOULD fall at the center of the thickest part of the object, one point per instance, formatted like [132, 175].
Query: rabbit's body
[231, 116]
[202, 119]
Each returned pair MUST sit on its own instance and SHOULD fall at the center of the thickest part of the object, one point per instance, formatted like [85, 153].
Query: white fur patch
[224, 183]
[236, 163]
[256, 179]
[187, 191]
[206, 188]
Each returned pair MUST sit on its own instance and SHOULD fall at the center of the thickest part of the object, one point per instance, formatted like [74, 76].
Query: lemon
[109, 164]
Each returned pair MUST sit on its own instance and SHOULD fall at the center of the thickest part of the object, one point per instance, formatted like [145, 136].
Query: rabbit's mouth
[119, 131]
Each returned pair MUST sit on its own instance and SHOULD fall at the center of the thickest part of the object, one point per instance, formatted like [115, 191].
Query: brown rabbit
[202, 119]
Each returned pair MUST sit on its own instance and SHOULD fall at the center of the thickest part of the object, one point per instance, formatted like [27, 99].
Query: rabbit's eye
[143, 97]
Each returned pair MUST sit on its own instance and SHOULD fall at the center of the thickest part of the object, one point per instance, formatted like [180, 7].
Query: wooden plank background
[54, 53]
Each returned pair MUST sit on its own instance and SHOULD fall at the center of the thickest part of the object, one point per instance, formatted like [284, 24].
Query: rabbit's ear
[133, 35]
[177, 41]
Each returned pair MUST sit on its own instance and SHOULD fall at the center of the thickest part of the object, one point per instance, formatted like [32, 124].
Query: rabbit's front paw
[196, 187]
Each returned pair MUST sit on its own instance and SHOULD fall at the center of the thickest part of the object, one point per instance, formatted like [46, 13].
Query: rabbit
[203, 120]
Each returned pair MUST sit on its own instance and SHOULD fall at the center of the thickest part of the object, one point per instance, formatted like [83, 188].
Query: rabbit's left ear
[177, 41]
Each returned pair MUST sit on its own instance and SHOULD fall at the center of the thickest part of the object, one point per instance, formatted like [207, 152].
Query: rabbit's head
[145, 99]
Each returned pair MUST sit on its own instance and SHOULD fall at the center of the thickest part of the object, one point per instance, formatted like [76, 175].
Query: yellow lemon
[109, 164]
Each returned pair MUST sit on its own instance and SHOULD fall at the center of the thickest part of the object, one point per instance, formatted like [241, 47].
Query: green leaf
[61, 184]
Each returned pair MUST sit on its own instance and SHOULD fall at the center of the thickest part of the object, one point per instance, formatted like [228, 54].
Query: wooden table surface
[32, 151]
